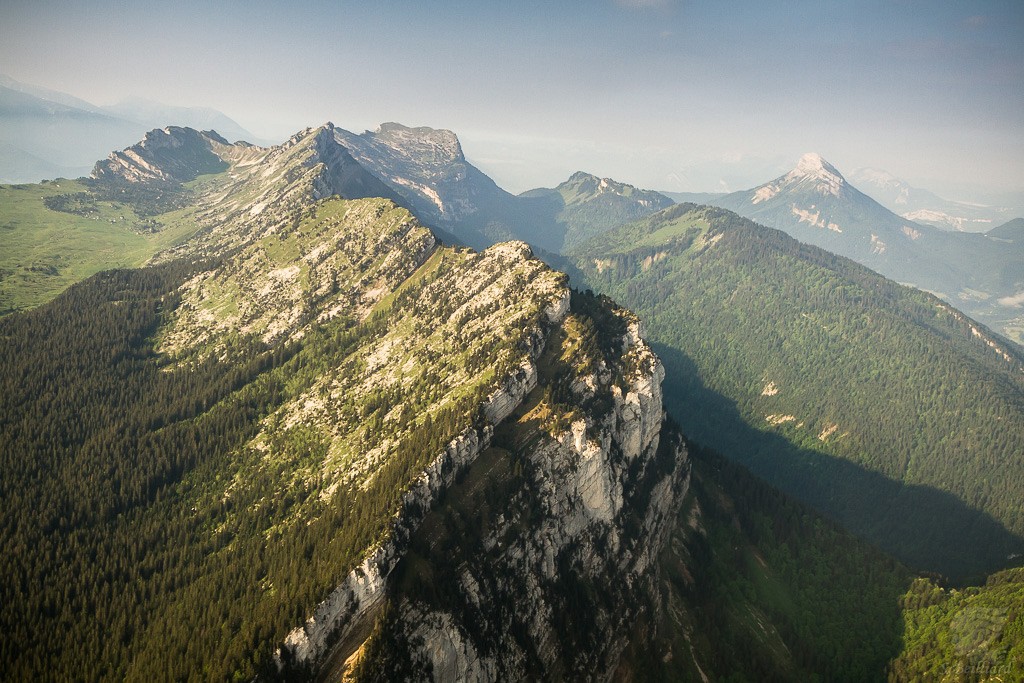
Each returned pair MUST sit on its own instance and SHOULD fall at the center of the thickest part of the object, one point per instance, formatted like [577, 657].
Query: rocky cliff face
[427, 168]
[541, 553]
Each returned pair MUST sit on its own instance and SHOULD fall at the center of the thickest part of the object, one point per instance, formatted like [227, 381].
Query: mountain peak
[813, 169]
[580, 176]
[813, 165]
[174, 154]
[423, 141]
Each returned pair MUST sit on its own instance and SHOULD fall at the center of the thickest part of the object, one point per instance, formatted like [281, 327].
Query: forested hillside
[139, 487]
[759, 587]
[974, 634]
[876, 403]
[187, 449]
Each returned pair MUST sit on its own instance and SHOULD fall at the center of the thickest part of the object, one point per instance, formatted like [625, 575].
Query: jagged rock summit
[421, 143]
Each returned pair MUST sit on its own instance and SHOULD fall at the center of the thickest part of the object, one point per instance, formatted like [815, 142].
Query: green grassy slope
[45, 250]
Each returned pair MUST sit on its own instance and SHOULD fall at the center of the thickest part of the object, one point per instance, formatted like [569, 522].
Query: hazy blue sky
[667, 94]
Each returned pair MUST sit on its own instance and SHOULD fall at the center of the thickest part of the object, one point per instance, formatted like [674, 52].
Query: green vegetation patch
[60, 232]
[758, 587]
[969, 634]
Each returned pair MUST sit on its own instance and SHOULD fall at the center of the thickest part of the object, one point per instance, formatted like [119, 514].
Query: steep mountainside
[251, 431]
[815, 204]
[758, 587]
[427, 169]
[541, 557]
[585, 206]
[876, 403]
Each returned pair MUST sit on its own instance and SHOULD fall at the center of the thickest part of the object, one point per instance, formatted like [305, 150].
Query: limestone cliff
[539, 552]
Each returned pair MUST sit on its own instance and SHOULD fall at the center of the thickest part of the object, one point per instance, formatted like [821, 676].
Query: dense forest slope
[876, 403]
[758, 587]
[974, 633]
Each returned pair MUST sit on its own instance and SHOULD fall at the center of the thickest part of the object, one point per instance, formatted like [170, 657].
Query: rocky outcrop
[552, 586]
[426, 167]
[341, 174]
[355, 600]
[362, 590]
[170, 155]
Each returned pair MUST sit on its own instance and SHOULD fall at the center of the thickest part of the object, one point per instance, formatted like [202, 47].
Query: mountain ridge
[291, 390]
[316, 405]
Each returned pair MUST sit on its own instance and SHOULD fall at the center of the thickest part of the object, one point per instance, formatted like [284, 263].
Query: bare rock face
[171, 154]
[362, 591]
[342, 175]
[545, 556]
[426, 167]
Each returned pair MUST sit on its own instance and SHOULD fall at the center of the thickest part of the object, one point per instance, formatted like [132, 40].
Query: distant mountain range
[48, 134]
[875, 403]
[923, 206]
[427, 169]
[817, 205]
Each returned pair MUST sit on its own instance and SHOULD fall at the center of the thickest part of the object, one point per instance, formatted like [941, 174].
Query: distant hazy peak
[811, 165]
[588, 182]
[811, 172]
[877, 177]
